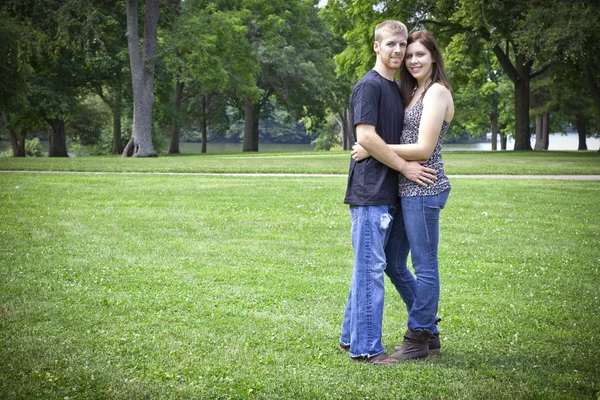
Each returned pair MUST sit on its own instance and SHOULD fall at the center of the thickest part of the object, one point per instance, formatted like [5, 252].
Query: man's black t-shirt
[375, 101]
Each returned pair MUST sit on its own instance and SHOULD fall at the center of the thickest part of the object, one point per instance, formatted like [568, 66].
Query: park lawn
[180, 286]
[456, 163]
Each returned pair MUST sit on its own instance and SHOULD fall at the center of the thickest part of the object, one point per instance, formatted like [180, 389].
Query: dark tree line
[166, 66]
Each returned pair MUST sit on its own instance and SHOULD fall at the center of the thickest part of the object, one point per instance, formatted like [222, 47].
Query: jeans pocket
[431, 207]
[443, 198]
[432, 202]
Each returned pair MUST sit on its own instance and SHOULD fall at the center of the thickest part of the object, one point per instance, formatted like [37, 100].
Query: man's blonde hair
[390, 26]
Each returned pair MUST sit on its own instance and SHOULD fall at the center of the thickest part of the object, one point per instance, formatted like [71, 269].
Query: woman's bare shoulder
[437, 93]
[437, 89]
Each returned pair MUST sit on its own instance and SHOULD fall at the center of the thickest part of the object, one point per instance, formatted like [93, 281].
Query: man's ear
[376, 47]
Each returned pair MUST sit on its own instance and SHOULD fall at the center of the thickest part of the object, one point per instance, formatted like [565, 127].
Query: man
[373, 190]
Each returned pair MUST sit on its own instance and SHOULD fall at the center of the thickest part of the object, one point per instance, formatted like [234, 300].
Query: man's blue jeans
[416, 230]
[361, 329]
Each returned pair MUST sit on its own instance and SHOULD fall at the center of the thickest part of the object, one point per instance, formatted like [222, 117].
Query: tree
[105, 49]
[212, 60]
[567, 34]
[142, 75]
[57, 74]
[573, 103]
[478, 83]
[542, 104]
[290, 42]
[13, 85]
[177, 96]
[500, 23]
[342, 85]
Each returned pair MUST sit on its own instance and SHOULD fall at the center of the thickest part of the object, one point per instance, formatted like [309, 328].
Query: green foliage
[27, 121]
[87, 121]
[279, 128]
[293, 48]
[281, 54]
[208, 47]
[355, 23]
[329, 137]
[57, 74]
[473, 34]
[558, 30]
[13, 84]
[33, 148]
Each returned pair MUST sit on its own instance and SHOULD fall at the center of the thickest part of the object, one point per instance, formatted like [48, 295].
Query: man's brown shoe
[343, 347]
[381, 359]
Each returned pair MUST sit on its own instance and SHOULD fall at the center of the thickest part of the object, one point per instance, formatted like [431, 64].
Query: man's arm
[377, 148]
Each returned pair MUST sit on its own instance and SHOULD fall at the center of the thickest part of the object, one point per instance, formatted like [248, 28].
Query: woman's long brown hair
[408, 84]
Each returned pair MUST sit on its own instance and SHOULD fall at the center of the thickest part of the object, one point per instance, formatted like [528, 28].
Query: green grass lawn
[456, 162]
[173, 286]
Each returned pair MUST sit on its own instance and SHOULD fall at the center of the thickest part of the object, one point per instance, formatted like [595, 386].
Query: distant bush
[33, 148]
[329, 137]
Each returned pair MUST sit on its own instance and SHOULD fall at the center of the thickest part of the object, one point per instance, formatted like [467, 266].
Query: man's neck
[384, 71]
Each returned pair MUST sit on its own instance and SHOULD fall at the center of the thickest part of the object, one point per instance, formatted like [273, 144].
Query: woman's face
[418, 61]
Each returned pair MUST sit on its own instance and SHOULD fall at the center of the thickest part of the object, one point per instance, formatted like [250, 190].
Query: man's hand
[414, 171]
[359, 153]
[379, 150]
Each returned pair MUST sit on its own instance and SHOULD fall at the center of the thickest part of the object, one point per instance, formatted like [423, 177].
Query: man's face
[390, 49]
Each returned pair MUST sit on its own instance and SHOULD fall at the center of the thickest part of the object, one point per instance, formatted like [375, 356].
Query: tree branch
[540, 70]
[456, 27]
[102, 96]
[502, 56]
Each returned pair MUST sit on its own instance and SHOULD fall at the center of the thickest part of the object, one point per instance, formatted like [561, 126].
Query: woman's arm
[436, 104]
[367, 136]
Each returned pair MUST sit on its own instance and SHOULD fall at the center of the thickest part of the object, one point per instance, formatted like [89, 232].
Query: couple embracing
[396, 189]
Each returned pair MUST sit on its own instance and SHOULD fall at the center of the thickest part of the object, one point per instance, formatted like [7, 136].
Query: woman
[429, 108]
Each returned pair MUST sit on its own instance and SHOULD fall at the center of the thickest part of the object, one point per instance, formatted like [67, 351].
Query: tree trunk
[519, 74]
[522, 134]
[347, 131]
[522, 89]
[175, 128]
[546, 130]
[17, 142]
[495, 129]
[142, 74]
[580, 123]
[129, 148]
[117, 148]
[538, 132]
[57, 143]
[503, 138]
[342, 120]
[251, 117]
[542, 131]
[595, 91]
[204, 124]
[114, 102]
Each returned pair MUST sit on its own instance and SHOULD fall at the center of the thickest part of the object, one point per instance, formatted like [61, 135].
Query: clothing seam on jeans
[368, 265]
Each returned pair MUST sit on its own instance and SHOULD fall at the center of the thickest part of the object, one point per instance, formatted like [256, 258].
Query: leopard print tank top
[410, 134]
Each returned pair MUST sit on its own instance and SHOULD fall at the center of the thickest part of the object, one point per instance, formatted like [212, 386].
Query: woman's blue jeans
[361, 329]
[416, 230]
